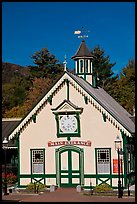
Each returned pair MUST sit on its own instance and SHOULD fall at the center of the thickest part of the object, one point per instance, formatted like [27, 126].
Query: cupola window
[86, 66]
[81, 66]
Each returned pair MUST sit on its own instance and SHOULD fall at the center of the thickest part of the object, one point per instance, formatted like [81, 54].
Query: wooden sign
[58, 143]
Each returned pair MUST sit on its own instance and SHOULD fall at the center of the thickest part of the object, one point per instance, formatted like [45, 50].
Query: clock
[67, 116]
[68, 123]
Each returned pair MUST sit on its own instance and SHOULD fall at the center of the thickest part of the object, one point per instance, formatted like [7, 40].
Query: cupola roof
[82, 51]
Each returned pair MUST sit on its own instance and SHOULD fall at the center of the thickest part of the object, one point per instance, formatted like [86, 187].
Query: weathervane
[82, 31]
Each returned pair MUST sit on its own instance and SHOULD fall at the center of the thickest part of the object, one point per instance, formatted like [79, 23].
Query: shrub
[34, 186]
[11, 178]
[103, 188]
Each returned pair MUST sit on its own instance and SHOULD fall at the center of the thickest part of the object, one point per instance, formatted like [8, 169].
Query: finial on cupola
[65, 64]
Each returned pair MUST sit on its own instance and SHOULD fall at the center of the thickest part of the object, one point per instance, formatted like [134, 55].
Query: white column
[76, 67]
[91, 68]
[88, 66]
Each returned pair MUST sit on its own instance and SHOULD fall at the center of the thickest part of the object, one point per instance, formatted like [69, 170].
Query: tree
[121, 88]
[47, 64]
[126, 86]
[12, 95]
[39, 86]
[15, 84]
[102, 67]
[24, 83]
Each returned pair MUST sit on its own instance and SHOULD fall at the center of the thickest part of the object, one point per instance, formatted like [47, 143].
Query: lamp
[118, 144]
[5, 146]
[118, 148]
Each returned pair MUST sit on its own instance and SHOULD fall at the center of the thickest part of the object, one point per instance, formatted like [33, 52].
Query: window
[37, 161]
[78, 66]
[81, 66]
[103, 161]
[86, 66]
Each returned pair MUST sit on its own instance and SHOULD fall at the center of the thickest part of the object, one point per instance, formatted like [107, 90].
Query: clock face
[68, 123]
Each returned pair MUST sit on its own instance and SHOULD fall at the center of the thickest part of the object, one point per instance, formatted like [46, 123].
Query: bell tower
[83, 62]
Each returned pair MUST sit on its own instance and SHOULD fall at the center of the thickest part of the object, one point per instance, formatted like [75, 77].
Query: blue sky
[27, 27]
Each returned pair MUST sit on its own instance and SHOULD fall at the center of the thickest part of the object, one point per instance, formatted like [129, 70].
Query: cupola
[83, 63]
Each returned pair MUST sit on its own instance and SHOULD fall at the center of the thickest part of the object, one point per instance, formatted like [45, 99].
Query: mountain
[9, 71]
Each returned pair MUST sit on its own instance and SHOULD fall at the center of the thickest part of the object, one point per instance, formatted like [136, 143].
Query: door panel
[69, 168]
[75, 160]
[64, 161]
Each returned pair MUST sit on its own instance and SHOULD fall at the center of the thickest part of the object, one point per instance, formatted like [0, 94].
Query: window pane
[103, 161]
[86, 68]
[81, 66]
[37, 168]
[103, 155]
[37, 161]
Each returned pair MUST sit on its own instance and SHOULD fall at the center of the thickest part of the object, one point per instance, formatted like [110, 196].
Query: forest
[22, 86]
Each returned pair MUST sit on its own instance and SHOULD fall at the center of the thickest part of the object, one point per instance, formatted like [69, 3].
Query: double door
[70, 167]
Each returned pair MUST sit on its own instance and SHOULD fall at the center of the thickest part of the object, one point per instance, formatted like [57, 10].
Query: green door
[70, 168]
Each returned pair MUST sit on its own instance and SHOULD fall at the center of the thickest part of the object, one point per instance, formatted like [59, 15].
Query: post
[122, 189]
[119, 181]
[91, 190]
[5, 171]
[128, 190]
[34, 187]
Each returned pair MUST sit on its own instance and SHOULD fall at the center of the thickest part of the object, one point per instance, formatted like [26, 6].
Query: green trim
[124, 156]
[110, 167]
[99, 176]
[34, 118]
[86, 99]
[57, 122]
[128, 141]
[57, 167]
[69, 172]
[34, 180]
[54, 175]
[96, 165]
[38, 176]
[94, 81]
[90, 176]
[104, 117]
[18, 149]
[68, 135]
[32, 174]
[50, 99]
[83, 74]
[78, 120]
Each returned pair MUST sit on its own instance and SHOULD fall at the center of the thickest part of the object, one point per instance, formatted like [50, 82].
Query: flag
[77, 32]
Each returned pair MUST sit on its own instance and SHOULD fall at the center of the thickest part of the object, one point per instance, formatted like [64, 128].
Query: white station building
[68, 138]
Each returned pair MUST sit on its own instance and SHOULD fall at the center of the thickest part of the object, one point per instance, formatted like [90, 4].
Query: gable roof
[82, 51]
[106, 102]
[133, 119]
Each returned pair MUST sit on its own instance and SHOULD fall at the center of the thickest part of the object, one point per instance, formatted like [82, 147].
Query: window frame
[32, 162]
[96, 159]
